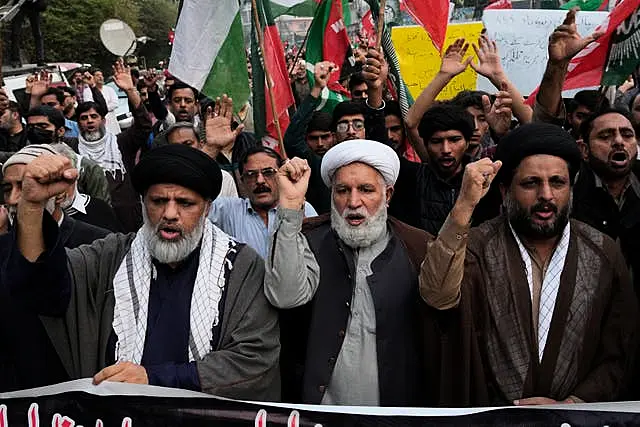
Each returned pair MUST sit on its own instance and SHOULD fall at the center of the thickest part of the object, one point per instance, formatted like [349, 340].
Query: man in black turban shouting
[541, 305]
[177, 304]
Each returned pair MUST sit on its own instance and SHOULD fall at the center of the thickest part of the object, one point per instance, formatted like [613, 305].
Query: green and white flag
[294, 7]
[208, 50]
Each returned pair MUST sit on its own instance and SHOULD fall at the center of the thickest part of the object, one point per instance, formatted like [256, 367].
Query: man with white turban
[347, 284]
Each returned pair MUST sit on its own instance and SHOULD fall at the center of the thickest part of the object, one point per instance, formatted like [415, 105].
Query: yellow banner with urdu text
[420, 61]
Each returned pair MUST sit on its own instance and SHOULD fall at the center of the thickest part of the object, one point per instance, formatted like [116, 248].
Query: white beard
[363, 235]
[95, 135]
[168, 252]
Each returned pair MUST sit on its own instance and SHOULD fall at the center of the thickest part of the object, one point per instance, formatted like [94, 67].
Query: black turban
[178, 164]
[536, 138]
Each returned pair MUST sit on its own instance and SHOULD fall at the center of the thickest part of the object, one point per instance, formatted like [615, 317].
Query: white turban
[379, 156]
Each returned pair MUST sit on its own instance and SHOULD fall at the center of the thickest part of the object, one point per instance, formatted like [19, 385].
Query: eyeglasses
[52, 104]
[358, 93]
[252, 175]
[343, 127]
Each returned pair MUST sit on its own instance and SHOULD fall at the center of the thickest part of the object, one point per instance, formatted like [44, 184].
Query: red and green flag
[328, 41]
[612, 57]
[272, 59]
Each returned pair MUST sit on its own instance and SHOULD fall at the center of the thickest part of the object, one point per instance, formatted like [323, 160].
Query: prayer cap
[181, 165]
[379, 156]
[27, 154]
[536, 138]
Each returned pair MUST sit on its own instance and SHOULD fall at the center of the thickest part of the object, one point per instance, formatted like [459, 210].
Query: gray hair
[183, 125]
[66, 151]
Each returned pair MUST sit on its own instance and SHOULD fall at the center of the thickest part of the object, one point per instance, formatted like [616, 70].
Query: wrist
[498, 78]
[130, 90]
[559, 64]
[462, 212]
[294, 204]
[443, 75]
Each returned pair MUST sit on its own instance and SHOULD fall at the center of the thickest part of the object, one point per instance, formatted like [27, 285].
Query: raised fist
[46, 177]
[293, 181]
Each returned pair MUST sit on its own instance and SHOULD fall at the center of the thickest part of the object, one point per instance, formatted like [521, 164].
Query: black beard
[521, 220]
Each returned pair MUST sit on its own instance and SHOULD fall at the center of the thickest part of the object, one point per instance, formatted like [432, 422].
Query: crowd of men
[476, 252]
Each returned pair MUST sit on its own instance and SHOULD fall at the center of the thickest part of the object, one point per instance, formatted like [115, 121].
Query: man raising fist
[541, 306]
[26, 293]
[347, 283]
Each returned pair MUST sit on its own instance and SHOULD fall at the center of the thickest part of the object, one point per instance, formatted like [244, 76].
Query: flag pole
[383, 5]
[267, 75]
[304, 42]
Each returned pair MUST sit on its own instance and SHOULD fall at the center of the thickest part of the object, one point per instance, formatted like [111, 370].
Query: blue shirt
[72, 130]
[236, 217]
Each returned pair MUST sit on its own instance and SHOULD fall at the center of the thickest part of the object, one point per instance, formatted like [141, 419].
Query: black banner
[138, 406]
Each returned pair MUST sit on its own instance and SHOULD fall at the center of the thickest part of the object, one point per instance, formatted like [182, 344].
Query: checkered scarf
[550, 284]
[104, 152]
[132, 284]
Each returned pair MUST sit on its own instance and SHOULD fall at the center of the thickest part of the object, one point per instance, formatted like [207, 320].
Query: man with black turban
[539, 307]
[177, 304]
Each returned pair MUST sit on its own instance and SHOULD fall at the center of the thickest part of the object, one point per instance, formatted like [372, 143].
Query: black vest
[436, 198]
[312, 335]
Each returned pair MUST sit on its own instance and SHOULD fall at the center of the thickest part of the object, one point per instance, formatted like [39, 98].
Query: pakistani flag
[294, 7]
[208, 50]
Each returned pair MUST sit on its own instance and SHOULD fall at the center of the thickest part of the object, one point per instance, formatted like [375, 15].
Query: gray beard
[167, 252]
[363, 235]
[96, 135]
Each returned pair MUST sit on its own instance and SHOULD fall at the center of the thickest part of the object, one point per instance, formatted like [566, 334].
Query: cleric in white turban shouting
[348, 284]
[177, 304]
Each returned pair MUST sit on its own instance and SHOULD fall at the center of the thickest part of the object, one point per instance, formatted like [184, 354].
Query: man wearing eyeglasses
[253, 220]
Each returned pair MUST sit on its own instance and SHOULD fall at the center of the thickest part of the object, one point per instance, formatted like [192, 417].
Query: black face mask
[40, 136]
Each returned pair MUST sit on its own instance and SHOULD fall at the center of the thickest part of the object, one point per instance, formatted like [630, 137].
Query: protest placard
[420, 61]
[522, 36]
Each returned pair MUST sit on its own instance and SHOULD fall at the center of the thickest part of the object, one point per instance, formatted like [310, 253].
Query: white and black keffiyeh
[104, 152]
[132, 284]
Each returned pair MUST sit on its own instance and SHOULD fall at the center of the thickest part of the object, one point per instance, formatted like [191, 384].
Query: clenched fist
[46, 177]
[476, 181]
[293, 181]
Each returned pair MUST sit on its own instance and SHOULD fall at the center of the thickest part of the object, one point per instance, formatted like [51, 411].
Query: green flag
[586, 5]
[294, 7]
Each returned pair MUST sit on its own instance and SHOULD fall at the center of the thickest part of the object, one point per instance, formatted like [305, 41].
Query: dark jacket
[77, 233]
[595, 206]
[98, 213]
[28, 358]
[422, 199]
[312, 334]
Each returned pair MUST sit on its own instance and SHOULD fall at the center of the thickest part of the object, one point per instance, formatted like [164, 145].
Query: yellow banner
[420, 61]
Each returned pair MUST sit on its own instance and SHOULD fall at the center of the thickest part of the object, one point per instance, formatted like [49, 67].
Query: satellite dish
[118, 37]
